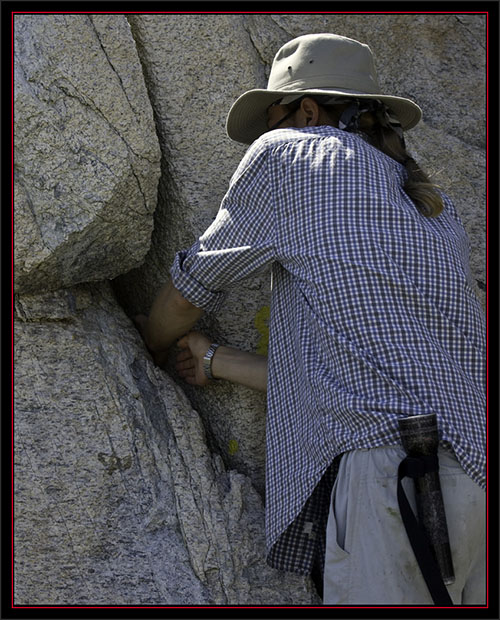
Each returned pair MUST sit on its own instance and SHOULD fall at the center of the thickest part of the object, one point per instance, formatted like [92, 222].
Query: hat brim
[247, 118]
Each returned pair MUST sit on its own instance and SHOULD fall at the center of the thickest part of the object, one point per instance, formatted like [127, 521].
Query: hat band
[331, 83]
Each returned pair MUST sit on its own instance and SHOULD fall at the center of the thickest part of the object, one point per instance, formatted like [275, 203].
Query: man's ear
[311, 111]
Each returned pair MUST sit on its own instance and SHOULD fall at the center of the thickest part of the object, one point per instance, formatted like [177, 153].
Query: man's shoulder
[295, 142]
[290, 135]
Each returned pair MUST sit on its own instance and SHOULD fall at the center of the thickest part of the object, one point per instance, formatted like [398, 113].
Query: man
[373, 319]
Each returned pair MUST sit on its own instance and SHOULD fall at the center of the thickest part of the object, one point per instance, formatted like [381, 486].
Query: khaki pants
[369, 559]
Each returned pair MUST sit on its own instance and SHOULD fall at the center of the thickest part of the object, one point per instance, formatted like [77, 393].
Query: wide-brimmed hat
[315, 64]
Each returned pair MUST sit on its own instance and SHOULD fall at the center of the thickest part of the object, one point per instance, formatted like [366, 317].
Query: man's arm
[248, 369]
[171, 317]
[231, 364]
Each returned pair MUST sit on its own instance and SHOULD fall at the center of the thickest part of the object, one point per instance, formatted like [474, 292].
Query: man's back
[373, 312]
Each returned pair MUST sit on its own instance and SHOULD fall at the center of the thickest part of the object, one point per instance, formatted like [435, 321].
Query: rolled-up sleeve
[239, 242]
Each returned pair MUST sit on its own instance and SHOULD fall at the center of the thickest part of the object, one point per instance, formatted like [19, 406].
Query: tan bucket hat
[315, 64]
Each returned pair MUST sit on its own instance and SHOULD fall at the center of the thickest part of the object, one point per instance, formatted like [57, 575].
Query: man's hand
[190, 359]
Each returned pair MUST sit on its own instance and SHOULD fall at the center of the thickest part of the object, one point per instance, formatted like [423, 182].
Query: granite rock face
[118, 499]
[131, 487]
[87, 159]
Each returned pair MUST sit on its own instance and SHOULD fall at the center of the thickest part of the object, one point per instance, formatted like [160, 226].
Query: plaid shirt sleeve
[239, 242]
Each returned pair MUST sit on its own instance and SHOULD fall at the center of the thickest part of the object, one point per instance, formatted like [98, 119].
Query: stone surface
[87, 158]
[438, 60]
[117, 498]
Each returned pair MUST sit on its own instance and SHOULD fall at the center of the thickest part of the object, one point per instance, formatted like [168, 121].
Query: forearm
[171, 316]
[241, 367]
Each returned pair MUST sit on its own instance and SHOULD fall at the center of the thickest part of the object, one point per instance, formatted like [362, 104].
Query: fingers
[185, 365]
[187, 362]
[184, 355]
[186, 373]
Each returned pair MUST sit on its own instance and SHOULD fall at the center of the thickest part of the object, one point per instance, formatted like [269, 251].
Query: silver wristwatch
[207, 360]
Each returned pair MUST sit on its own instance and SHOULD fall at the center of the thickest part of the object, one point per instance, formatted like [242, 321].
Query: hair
[424, 194]
[418, 186]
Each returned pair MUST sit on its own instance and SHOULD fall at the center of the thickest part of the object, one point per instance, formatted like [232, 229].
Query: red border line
[12, 301]
[487, 311]
[247, 607]
[250, 13]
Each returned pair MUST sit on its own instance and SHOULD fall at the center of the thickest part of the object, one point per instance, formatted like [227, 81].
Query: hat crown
[324, 61]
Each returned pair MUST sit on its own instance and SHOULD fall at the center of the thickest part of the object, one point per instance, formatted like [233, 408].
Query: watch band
[207, 360]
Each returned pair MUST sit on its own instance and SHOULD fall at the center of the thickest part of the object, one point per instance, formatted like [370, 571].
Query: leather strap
[416, 467]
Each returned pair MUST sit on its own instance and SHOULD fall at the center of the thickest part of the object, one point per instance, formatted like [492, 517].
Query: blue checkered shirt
[373, 314]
